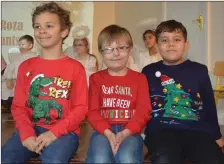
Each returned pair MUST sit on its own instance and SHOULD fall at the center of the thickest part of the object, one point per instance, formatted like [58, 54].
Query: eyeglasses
[109, 50]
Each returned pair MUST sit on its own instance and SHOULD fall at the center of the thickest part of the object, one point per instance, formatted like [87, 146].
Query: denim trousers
[129, 151]
[59, 151]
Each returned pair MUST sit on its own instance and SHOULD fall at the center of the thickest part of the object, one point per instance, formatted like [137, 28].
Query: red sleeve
[98, 122]
[79, 101]
[19, 112]
[143, 108]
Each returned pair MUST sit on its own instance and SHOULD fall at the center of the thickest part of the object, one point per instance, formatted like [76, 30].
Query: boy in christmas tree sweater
[118, 103]
[184, 117]
[51, 95]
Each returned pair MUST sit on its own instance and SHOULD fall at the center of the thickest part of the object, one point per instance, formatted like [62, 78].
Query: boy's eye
[122, 47]
[49, 26]
[177, 40]
[36, 26]
[164, 40]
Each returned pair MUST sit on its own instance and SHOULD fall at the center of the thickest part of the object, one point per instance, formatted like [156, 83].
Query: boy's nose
[116, 52]
[42, 30]
[171, 43]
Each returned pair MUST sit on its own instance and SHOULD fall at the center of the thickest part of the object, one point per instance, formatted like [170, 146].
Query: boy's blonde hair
[54, 8]
[112, 33]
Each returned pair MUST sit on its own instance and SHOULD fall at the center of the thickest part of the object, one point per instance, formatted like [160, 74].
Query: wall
[104, 15]
[131, 14]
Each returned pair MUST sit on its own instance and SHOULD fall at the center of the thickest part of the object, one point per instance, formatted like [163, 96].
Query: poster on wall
[17, 21]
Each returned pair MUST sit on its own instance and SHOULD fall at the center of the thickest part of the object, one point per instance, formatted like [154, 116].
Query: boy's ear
[131, 50]
[187, 45]
[64, 33]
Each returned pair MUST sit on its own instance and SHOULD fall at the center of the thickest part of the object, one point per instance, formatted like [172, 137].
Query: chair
[219, 88]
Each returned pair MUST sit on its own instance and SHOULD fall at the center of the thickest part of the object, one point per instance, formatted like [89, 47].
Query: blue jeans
[129, 151]
[59, 151]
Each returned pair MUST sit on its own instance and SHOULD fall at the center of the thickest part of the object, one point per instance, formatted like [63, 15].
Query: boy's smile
[47, 30]
[172, 47]
[116, 60]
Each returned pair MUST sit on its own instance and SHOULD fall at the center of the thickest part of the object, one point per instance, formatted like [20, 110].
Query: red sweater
[52, 94]
[120, 100]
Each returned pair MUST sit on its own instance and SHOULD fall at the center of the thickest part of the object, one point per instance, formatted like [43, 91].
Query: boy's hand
[220, 142]
[111, 138]
[30, 143]
[120, 136]
[9, 83]
[44, 140]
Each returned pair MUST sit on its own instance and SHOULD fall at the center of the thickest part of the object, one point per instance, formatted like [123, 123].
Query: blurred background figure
[151, 55]
[89, 61]
[16, 57]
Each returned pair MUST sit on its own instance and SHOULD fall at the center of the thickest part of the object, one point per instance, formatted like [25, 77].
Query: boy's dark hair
[112, 33]
[54, 8]
[170, 26]
[28, 38]
[148, 32]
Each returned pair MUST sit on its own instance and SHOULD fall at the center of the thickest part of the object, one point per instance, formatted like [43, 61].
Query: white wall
[131, 14]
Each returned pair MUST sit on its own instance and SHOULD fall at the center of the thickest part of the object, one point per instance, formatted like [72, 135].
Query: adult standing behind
[89, 61]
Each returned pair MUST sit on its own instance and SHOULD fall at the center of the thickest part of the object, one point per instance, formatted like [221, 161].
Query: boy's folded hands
[116, 140]
[30, 143]
[37, 144]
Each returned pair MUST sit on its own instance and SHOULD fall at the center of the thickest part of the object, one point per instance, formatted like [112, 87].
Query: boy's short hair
[112, 33]
[54, 8]
[170, 26]
[148, 32]
[28, 38]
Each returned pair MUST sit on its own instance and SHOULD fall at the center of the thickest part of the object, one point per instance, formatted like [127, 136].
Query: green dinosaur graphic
[41, 108]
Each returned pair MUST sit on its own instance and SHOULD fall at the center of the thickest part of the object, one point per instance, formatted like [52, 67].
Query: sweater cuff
[103, 128]
[218, 136]
[24, 134]
[134, 128]
[57, 131]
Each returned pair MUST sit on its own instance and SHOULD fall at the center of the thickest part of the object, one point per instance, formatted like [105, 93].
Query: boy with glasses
[118, 103]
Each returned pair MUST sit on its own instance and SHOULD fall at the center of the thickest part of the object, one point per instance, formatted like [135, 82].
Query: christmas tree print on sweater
[177, 101]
